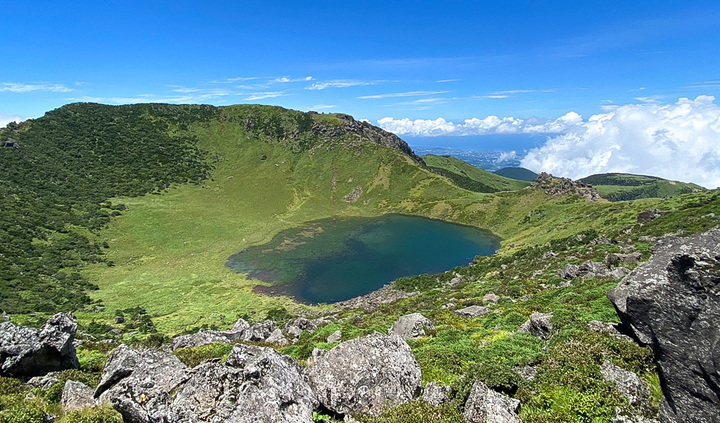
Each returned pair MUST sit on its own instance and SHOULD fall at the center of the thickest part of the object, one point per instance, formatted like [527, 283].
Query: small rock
[487, 406]
[411, 326]
[473, 311]
[277, 338]
[616, 259]
[528, 372]
[436, 394]
[491, 298]
[119, 319]
[335, 336]
[44, 382]
[76, 396]
[627, 383]
[259, 331]
[539, 325]
[648, 215]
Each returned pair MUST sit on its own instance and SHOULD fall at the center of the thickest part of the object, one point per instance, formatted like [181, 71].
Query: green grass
[471, 177]
[623, 186]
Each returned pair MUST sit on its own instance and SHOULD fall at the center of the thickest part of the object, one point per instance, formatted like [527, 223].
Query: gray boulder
[487, 406]
[672, 303]
[26, 352]
[76, 396]
[472, 311]
[436, 394]
[255, 384]
[627, 383]
[205, 337]
[335, 336]
[259, 331]
[591, 269]
[277, 338]
[138, 383]
[364, 375]
[539, 325]
[616, 259]
[411, 326]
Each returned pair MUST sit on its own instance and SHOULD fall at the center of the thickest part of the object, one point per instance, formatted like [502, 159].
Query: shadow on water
[335, 259]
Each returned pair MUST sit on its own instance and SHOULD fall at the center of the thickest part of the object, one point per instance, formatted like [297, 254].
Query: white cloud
[678, 141]
[476, 126]
[339, 83]
[405, 94]
[323, 106]
[260, 96]
[286, 79]
[15, 87]
[5, 119]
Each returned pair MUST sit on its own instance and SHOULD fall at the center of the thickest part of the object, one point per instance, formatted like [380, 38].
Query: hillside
[470, 177]
[623, 186]
[126, 216]
[519, 173]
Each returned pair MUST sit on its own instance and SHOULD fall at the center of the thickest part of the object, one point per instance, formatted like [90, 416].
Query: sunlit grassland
[168, 251]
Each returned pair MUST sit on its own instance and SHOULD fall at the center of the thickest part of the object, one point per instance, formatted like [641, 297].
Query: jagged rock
[602, 240]
[538, 325]
[119, 319]
[472, 311]
[548, 255]
[335, 336]
[44, 382]
[364, 375]
[138, 383]
[256, 384]
[491, 298]
[296, 326]
[277, 338]
[205, 337]
[616, 259]
[27, 352]
[436, 394]
[76, 396]
[487, 406]
[648, 215]
[456, 280]
[259, 331]
[627, 383]
[385, 295]
[591, 269]
[558, 187]
[672, 303]
[411, 326]
[239, 326]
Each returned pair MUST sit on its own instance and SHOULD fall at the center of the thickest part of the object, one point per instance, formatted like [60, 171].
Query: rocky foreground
[671, 302]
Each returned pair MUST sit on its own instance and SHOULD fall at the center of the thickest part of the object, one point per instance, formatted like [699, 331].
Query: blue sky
[532, 61]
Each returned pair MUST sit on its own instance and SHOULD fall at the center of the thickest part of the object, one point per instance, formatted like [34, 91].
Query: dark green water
[332, 260]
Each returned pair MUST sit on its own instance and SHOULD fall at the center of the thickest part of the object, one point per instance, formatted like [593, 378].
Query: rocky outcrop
[255, 384]
[26, 352]
[473, 311]
[385, 295]
[539, 325]
[672, 303]
[364, 375]
[76, 396]
[411, 326]
[616, 259]
[138, 383]
[205, 337]
[591, 269]
[560, 187]
[487, 406]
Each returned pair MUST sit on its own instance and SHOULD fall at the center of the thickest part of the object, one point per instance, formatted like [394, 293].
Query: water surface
[335, 259]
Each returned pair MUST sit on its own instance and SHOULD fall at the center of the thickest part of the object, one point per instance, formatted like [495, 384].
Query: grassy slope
[623, 186]
[169, 250]
[519, 173]
[471, 177]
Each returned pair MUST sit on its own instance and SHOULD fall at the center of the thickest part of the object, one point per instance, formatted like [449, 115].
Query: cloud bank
[475, 126]
[678, 141]
[5, 119]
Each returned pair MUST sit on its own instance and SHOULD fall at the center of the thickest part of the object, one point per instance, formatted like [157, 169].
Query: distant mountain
[471, 177]
[519, 173]
[624, 186]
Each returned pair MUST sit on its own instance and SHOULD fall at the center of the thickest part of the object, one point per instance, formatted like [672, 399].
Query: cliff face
[672, 303]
